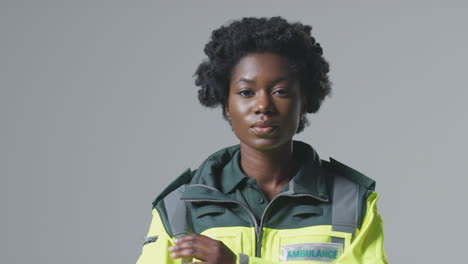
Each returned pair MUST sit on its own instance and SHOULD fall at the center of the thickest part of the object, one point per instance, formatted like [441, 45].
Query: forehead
[261, 65]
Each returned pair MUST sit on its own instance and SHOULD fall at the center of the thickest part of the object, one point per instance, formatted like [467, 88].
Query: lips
[264, 127]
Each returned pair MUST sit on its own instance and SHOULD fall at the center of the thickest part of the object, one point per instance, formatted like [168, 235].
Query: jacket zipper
[258, 252]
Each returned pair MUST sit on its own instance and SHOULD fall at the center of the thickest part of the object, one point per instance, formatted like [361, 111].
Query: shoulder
[167, 202]
[184, 178]
[350, 173]
[365, 185]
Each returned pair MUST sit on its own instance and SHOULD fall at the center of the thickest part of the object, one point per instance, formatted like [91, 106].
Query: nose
[264, 104]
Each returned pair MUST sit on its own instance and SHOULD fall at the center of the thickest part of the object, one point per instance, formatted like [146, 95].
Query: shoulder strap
[177, 212]
[345, 206]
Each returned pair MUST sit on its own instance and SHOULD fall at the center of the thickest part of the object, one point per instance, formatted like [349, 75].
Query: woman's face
[265, 102]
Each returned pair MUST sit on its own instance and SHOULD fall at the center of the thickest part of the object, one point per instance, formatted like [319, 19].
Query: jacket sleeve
[157, 242]
[366, 246]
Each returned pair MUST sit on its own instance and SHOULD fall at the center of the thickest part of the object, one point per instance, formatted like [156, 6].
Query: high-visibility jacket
[327, 213]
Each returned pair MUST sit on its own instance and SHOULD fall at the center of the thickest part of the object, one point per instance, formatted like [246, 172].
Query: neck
[271, 168]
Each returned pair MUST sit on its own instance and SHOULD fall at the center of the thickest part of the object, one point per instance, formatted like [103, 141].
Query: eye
[281, 92]
[245, 93]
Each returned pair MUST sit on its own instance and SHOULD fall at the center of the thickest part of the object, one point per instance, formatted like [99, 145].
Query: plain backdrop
[98, 113]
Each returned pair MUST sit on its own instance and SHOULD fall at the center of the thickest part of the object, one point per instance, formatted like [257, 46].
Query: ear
[226, 110]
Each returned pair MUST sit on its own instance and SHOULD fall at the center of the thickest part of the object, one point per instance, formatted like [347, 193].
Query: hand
[203, 248]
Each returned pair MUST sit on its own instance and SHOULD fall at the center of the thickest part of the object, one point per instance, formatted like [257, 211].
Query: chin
[266, 144]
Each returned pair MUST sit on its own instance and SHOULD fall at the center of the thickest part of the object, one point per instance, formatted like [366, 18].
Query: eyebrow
[280, 79]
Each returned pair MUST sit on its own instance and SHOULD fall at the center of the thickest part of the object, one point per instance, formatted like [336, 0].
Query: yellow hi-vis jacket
[326, 214]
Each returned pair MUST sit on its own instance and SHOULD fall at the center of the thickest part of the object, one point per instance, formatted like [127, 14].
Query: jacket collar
[311, 177]
[220, 174]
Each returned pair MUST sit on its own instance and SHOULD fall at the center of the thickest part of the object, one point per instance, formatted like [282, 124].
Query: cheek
[294, 115]
[238, 110]
[292, 108]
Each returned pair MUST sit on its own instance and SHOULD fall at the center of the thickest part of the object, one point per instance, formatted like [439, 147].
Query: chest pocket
[321, 236]
[307, 234]
[208, 210]
[302, 244]
[231, 236]
[213, 212]
[315, 234]
[302, 211]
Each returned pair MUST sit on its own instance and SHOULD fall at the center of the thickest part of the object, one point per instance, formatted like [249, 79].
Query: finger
[189, 246]
[194, 237]
[189, 253]
[191, 237]
[194, 245]
[199, 241]
[182, 246]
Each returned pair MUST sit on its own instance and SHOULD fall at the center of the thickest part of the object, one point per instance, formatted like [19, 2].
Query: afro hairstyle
[233, 41]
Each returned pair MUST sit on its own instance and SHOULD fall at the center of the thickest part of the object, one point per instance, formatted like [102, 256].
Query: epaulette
[182, 179]
[350, 173]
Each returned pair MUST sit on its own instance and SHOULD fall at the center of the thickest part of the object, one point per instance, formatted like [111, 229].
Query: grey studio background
[98, 112]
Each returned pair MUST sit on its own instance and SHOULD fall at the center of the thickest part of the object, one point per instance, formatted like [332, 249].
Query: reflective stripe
[243, 259]
[177, 212]
[344, 206]
[178, 215]
[338, 240]
[151, 239]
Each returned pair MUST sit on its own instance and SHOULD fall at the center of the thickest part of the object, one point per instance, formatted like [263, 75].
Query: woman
[269, 199]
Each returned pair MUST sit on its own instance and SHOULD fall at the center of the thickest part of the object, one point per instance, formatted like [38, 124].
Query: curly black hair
[232, 42]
